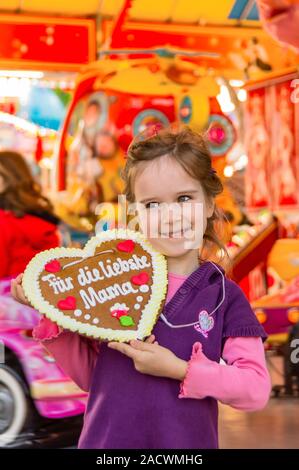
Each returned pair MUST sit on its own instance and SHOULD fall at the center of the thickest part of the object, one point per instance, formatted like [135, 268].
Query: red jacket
[21, 239]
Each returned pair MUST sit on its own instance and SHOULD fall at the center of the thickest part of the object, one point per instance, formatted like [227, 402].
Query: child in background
[163, 393]
[27, 222]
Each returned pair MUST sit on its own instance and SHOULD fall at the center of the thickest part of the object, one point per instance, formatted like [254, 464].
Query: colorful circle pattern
[221, 134]
[148, 118]
[185, 110]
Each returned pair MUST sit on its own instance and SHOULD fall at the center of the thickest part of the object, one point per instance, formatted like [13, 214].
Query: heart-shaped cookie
[113, 289]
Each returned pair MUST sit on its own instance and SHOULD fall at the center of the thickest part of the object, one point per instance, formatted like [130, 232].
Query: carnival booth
[114, 101]
[272, 179]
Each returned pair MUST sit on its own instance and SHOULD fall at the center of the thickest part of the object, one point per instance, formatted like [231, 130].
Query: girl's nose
[171, 213]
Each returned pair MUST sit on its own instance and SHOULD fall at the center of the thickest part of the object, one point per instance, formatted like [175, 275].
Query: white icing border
[159, 266]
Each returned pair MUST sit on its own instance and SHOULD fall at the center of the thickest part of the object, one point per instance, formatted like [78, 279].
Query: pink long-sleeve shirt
[242, 381]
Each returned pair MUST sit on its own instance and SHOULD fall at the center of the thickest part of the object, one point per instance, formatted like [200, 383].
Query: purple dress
[130, 410]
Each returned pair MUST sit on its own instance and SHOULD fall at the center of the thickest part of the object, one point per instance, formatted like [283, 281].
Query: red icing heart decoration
[126, 246]
[67, 304]
[141, 279]
[118, 313]
[53, 266]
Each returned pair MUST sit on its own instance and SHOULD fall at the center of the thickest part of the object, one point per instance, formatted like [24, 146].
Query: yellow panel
[152, 10]
[63, 7]
[110, 8]
[9, 5]
[283, 258]
[139, 80]
[181, 11]
[211, 11]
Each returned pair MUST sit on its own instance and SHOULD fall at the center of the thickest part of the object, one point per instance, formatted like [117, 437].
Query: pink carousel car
[39, 404]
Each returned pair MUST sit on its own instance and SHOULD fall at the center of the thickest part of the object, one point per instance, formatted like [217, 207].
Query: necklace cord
[162, 316]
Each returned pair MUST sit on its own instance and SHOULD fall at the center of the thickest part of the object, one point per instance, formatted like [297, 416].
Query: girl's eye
[151, 205]
[184, 198]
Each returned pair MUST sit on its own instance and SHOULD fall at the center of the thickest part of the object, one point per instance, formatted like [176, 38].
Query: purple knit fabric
[130, 410]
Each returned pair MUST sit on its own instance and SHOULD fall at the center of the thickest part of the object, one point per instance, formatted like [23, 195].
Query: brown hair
[22, 195]
[190, 150]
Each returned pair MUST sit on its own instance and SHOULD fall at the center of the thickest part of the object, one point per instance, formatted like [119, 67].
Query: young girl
[162, 393]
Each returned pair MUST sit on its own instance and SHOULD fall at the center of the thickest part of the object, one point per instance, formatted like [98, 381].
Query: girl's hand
[151, 358]
[17, 290]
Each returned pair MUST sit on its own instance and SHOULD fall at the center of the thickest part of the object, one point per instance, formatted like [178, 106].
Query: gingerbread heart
[113, 289]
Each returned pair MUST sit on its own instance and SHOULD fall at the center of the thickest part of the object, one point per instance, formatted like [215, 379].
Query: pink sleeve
[75, 354]
[46, 329]
[243, 382]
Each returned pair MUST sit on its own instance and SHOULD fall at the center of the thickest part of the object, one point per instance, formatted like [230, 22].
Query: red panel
[258, 144]
[46, 40]
[238, 49]
[284, 177]
[255, 253]
[272, 175]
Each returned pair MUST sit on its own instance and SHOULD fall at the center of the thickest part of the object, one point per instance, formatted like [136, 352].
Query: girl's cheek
[142, 219]
[149, 223]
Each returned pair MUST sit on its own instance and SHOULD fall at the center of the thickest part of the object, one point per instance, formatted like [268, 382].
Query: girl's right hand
[17, 290]
[46, 329]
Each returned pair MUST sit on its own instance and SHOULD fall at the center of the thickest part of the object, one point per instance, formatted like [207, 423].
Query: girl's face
[172, 207]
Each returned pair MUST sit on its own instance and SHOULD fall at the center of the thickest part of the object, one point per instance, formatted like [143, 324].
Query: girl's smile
[180, 233]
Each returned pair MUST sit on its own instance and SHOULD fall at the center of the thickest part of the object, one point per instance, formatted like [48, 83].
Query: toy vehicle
[278, 311]
[36, 398]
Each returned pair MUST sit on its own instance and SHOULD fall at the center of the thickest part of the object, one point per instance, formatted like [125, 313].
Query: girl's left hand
[151, 358]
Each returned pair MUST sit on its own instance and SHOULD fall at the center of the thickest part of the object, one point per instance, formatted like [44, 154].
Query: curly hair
[189, 148]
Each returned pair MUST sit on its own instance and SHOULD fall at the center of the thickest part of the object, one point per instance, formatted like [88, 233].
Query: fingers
[21, 294]
[150, 339]
[13, 288]
[142, 346]
[17, 290]
[123, 348]
[131, 349]
[19, 278]
[14, 283]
